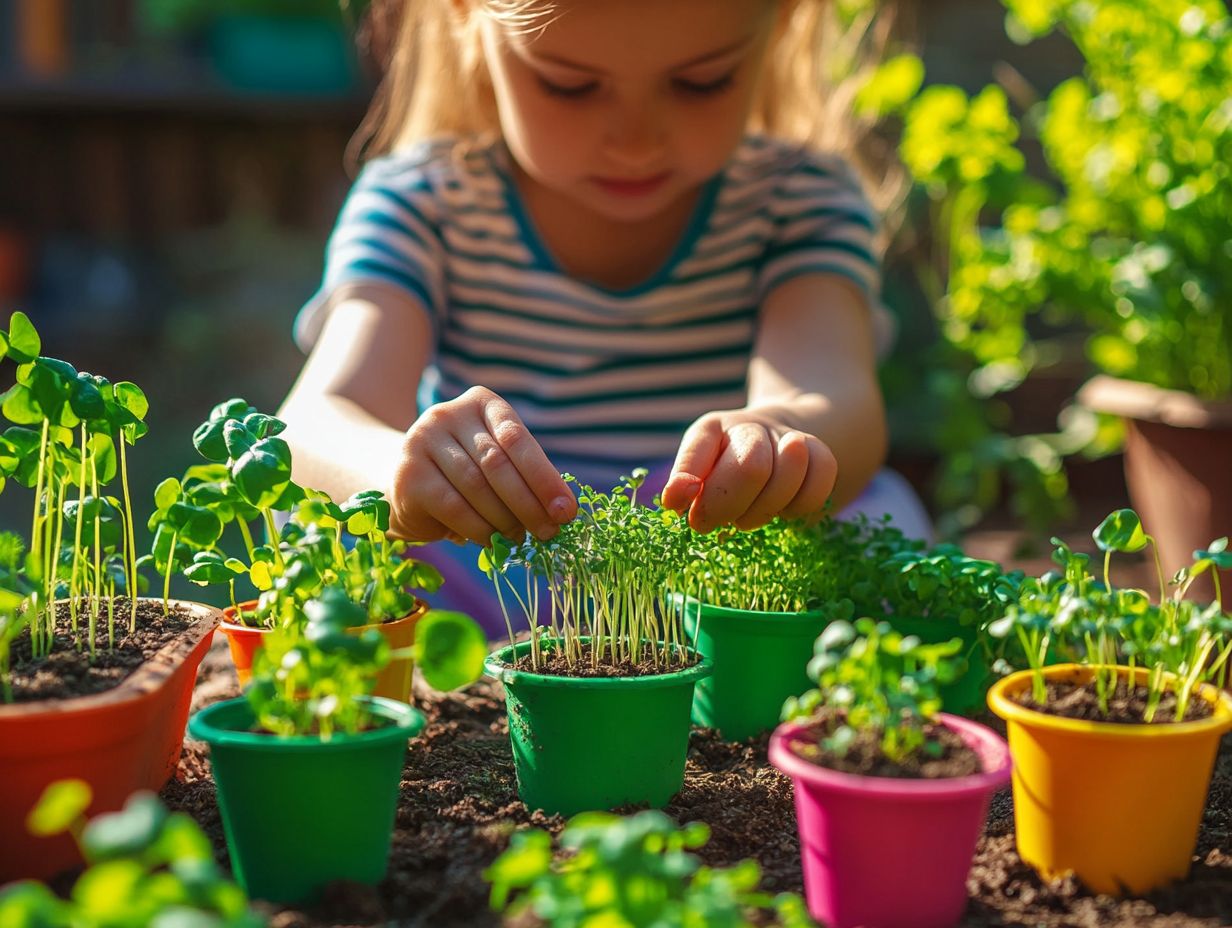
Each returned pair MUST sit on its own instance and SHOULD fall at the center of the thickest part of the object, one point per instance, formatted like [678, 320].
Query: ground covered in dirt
[459, 804]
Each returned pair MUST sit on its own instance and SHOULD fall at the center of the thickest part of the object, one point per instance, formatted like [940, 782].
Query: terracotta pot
[394, 682]
[118, 741]
[1177, 454]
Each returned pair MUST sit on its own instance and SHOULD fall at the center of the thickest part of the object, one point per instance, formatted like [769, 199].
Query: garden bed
[459, 803]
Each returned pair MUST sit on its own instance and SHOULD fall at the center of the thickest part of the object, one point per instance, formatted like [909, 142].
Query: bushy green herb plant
[636, 872]
[1074, 616]
[15, 590]
[872, 678]
[67, 441]
[612, 576]
[147, 868]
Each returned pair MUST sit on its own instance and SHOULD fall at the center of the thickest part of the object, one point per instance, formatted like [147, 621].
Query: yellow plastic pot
[1118, 805]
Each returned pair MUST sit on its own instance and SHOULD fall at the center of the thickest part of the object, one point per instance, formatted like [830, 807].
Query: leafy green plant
[147, 868]
[636, 872]
[1076, 617]
[15, 590]
[611, 576]
[314, 675]
[872, 678]
[67, 441]
[1129, 235]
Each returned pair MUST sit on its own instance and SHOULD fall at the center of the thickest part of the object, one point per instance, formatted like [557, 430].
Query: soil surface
[69, 670]
[864, 756]
[459, 804]
[1124, 707]
[554, 664]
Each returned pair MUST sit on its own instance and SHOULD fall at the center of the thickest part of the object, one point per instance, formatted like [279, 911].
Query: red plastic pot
[118, 741]
[882, 852]
[393, 682]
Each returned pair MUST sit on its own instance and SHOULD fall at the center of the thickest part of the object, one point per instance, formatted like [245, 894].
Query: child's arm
[814, 427]
[464, 469]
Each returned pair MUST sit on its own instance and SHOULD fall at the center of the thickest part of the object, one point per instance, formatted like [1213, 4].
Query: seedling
[870, 677]
[68, 439]
[147, 868]
[611, 575]
[1076, 617]
[637, 872]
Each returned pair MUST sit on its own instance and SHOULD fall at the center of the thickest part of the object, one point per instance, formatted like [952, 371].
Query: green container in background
[760, 659]
[299, 812]
[592, 743]
[283, 54]
[966, 695]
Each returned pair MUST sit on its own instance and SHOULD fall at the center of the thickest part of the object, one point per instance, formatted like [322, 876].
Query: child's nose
[637, 137]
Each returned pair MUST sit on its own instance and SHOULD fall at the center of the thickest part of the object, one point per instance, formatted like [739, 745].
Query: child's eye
[704, 88]
[568, 91]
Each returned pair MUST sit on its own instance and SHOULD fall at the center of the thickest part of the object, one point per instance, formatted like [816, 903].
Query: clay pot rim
[1134, 399]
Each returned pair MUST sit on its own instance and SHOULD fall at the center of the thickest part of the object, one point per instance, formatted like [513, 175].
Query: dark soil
[70, 671]
[554, 664]
[1124, 707]
[459, 805]
[865, 757]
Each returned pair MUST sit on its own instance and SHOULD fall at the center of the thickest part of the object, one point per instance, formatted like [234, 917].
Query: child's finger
[791, 464]
[818, 482]
[540, 497]
[443, 502]
[699, 451]
[737, 478]
[455, 457]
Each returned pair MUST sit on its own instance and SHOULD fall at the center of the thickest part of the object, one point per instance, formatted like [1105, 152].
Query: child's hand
[469, 468]
[743, 468]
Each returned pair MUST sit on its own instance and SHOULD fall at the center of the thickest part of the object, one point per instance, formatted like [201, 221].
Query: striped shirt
[605, 379]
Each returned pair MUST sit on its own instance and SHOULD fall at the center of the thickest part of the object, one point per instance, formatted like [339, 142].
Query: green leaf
[24, 344]
[891, 86]
[109, 891]
[450, 649]
[62, 804]
[1120, 531]
[166, 493]
[261, 473]
[125, 833]
[130, 397]
[209, 440]
[32, 905]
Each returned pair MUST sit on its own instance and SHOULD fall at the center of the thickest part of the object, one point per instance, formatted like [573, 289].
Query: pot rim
[1001, 704]
[150, 676]
[980, 738]
[232, 628]
[496, 665]
[204, 725]
[805, 617]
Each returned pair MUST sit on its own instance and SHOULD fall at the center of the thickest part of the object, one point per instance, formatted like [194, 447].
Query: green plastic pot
[966, 695]
[591, 743]
[299, 812]
[760, 659]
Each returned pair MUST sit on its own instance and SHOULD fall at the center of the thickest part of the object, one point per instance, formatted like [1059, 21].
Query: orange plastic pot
[393, 682]
[1117, 805]
[118, 741]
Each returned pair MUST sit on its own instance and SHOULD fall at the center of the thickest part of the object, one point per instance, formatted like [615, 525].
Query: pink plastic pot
[881, 852]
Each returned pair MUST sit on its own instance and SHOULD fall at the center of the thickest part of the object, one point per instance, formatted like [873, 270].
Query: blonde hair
[436, 82]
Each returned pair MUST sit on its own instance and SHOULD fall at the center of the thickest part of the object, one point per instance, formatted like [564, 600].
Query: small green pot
[299, 812]
[965, 695]
[760, 659]
[590, 743]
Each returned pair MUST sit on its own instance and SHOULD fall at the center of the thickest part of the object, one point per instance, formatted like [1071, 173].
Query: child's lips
[632, 187]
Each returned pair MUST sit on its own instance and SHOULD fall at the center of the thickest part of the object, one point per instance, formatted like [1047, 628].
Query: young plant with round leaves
[15, 591]
[68, 439]
[146, 868]
[872, 678]
[637, 872]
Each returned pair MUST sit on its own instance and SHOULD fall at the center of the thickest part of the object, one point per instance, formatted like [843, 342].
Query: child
[596, 241]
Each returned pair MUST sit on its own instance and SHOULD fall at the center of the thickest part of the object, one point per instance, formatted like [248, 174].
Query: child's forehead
[651, 35]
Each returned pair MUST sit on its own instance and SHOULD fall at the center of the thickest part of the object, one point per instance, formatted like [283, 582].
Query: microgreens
[637, 872]
[68, 439]
[611, 575]
[1076, 617]
[871, 677]
[147, 868]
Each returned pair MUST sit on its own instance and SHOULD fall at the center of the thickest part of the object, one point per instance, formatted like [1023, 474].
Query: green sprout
[147, 868]
[68, 439]
[610, 577]
[872, 678]
[636, 872]
[1076, 617]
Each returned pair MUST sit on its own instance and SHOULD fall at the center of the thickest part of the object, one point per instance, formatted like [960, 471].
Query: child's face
[623, 106]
